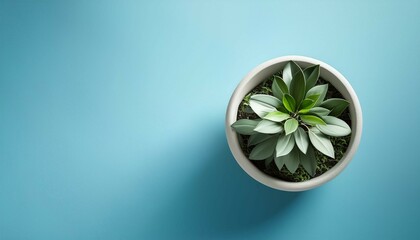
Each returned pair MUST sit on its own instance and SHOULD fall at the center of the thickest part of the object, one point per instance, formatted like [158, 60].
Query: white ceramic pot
[262, 72]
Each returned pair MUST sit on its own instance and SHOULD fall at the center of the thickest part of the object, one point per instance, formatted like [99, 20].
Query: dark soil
[325, 163]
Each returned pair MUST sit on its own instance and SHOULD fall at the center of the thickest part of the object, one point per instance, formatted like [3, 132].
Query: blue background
[112, 119]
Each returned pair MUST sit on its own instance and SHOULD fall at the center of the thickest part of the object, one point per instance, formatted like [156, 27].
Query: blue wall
[112, 119]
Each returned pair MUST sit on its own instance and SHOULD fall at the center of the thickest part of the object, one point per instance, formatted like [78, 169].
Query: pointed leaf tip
[308, 161]
[289, 70]
[292, 160]
[311, 75]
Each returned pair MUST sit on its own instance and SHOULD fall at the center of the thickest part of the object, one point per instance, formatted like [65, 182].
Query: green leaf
[282, 109]
[335, 127]
[314, 97]
[284, 145]
[303, 111]
[268, 160]
[256, 138]
[263, 150]
[247, 109]
[321, 142]
[320, 111]
[290, 126]
[279, 87]
[260, 108]
[308, 161]
[336, 105]
[279, 161]
[298, 87]
[320, 90]
[312, 120]
[289, 71]
[291, 160]
[306, 104]
[267, 99]
[245, 126]
[311, 76]
[268, 127]
[277, 116]
[301, 139]
[289, 102]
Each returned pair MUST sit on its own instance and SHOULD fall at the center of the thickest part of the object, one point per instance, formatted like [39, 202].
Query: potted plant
[293, 123]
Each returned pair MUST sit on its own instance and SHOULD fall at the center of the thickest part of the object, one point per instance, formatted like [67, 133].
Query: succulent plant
[293, 120]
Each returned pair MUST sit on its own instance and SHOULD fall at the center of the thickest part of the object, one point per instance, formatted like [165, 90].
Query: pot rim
[254, 172]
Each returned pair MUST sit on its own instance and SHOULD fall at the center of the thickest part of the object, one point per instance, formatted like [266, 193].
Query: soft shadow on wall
[221, 199]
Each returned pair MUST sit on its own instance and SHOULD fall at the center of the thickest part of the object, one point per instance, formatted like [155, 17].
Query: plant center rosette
[294, 125]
